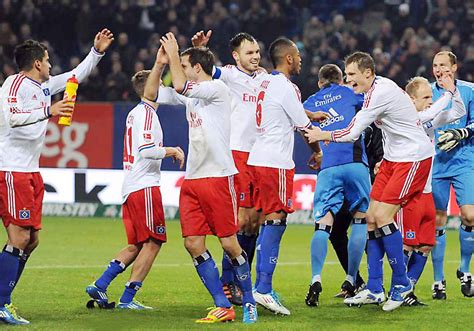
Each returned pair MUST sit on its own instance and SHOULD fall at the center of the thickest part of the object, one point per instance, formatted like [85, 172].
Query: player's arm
[436, 108]
[178, 77]
[153, 81]
[146, 127]
[200, 38]
[102, 41]
[447, 116]
[18, 115]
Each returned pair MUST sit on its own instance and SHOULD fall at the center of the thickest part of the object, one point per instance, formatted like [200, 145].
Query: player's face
[189, 70]
[423, 97]
[360, 81]
[441, 63]
[295, 68]
[248, 56]
[44, 67]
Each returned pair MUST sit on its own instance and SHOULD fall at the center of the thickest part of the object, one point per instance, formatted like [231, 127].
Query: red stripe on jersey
[148, 119]
[368, 96]
[297, 90]
[16, 85]
[343, 132]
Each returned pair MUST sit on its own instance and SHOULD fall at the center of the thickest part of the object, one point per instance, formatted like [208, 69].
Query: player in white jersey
[25, 101]
[279, 111]
[243, 79]
[417, 219]
[208, 202]
[402, 175]
[143, 214]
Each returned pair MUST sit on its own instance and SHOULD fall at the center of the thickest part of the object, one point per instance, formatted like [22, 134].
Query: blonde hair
[414, 84]
[452, 57]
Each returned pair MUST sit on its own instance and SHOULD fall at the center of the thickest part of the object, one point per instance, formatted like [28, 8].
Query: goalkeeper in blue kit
[454, 165]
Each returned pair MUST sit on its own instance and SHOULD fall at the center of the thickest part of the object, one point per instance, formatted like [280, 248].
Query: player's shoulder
[464, 85]
[15, 83]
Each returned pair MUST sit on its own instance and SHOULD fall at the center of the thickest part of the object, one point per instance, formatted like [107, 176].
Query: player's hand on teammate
[177, 154]
[201, 38]
[103, 39]
[170, 44]
[313, 134]
[161, 57]
[446, 81]
[377, 167]
[318, 116]
[315, 160]
[62, 108]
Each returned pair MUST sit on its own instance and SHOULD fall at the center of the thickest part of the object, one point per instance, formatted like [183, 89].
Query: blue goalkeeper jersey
[342, 104]
[461, 158]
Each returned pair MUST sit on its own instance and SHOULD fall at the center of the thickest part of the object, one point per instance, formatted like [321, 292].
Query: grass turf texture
[73, 252]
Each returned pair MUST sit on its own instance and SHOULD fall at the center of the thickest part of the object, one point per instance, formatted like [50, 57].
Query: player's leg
[441, 191]
[465, 197]
[328, 200]
[356, 191]
[241, 266]
[32, 244]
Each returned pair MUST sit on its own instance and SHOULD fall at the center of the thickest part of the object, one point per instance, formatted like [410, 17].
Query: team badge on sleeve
[148, 136]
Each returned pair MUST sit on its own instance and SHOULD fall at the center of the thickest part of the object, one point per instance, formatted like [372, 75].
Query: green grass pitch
[73, 252]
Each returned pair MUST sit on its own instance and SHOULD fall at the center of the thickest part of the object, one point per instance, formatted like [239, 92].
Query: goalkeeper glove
[449, 139]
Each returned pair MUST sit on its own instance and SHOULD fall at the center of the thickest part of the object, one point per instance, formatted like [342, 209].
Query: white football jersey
[244, 90]
[143, 131]
[208, 108]
[392, 110]
[25, 108]
[435, 117]
[279, 112]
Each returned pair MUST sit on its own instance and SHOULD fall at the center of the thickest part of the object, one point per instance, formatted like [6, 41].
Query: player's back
[341, 103]
[244, 89]
[143, 131]
[20, 146]
[454, 162]
[279, 111]
[403, 135]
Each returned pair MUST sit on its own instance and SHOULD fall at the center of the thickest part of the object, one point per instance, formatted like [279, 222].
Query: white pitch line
[177, 265]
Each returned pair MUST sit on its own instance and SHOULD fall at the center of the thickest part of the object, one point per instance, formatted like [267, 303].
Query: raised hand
[103, 39]
[446, 81]
[170, 44]
[161, 56]
[201, 38]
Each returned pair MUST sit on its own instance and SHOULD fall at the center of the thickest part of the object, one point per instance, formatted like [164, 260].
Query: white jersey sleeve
[291, 103]
[447, 116]
[432, 111]
[203, 90]
[57, 83]
[168, 96]
[19, 110]
[146, 128]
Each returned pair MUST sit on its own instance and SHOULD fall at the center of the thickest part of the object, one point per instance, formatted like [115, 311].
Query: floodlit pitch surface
[73, 252]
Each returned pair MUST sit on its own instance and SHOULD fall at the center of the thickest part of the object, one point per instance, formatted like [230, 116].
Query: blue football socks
[9, 262]
[319, 249]
[375, 255]
[131, 289]
[356, 246]
[113, 270]
[466, 240]
[437, 254]
[242, 271]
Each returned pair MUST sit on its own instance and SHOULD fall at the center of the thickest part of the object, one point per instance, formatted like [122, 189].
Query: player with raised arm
[25, 100]
[402, 175]
[143, 214]
[343, 176]
[208, 201]
[243, 79]
[279, 111]
[453, 165]
[417, 219]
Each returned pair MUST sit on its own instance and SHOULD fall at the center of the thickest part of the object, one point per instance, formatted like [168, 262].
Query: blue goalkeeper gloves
[449, 139]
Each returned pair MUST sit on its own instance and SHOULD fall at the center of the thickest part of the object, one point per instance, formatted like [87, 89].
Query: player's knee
[193, 246]
[467, 215]
[441, 218]
[32, 245]
[152, 245]
[20, 240]
[425, 249]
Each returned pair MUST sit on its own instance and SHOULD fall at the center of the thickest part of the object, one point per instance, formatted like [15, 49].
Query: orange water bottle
[70, 93]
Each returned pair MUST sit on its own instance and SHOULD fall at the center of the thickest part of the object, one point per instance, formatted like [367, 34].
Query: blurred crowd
[403, 39]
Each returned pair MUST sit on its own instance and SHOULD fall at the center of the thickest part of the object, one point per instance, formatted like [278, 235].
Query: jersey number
[127, 146]
[258, 112]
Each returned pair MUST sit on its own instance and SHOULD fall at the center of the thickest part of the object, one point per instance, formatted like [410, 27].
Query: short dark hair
[239, 38]
[28, 52]
[201, 55]
[139, 81]
[278, 49]
[452, 57]
[330, 73]
[362, 59]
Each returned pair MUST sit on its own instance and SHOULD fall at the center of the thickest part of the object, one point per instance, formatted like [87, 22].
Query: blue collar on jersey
[146, 103]
[276, 72]
[442, 89]
[34, 81]
[253, 74]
